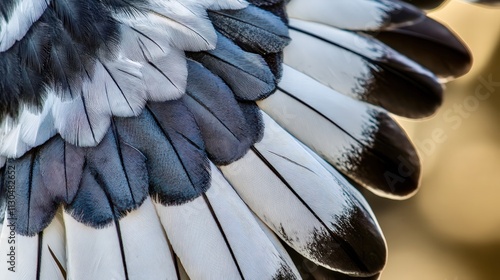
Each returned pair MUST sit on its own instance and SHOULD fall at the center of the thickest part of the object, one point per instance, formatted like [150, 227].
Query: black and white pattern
[213, 139]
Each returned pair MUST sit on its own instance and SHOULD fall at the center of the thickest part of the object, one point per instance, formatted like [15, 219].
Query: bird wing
[214, 139]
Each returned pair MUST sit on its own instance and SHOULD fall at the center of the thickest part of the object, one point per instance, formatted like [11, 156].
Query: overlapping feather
[135, 161]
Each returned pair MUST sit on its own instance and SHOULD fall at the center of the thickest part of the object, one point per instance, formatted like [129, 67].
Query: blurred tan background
[451, 229]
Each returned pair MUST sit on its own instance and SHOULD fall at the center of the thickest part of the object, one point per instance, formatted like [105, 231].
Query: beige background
[451, 229]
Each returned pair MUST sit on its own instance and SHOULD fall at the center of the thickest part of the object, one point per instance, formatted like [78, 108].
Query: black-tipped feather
[426, 4]
[439, 49]
[394, 82]
[310, 270]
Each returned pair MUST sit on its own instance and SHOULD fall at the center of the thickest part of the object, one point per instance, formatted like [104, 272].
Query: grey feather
[247, 74]
[225, 130]
[253, 29]
[176, 160]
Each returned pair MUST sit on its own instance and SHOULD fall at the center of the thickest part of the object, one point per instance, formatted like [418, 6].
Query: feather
[309, 270]
[21, 254]
[440, 50]
[145, 245]
[36, 128]
[121, 170]
[253, 29]
[16, 19]
[225, 130]
[363, 68]
[306, 206]
[196, 238]
[187, 26]
[369, 147]
[167, 134]
[355, 14]
[53, 250]
[12, 143]
[163, 67]
[116, 89]
[247, 74]
[93, 253]
[226, 226]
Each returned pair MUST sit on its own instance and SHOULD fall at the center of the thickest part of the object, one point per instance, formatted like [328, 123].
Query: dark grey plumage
[227, 133]
[247, 74]
[253, 29]
[55, 51]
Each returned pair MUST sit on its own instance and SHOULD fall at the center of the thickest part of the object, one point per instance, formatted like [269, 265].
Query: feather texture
[363, 68]
[253, 29]
[226, 132]
[369, 146]
[16, 18]
[303, 204]
[220, 221]
[140, 151]
[355, 14]
[247, 74]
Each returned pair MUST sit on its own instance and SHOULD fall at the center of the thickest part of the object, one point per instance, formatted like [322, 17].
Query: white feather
[256, 254]
[23, 15]
[53, 238]
[197, 240]
[92, 253]
[327, 123]
[147, 253]
[359, 43]
[275, 203]
[38, 127]
[352, 14]
[185, 27]
[13, 145]
[164, 68]
[333, 66]
[78, 124]
[18, 259]
[277, 244]
[116, 89]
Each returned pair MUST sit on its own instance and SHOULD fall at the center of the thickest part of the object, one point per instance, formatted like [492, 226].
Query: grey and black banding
[56, 51]
[247, 74]
[168, 162]
[6, 8]
[439, 50]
